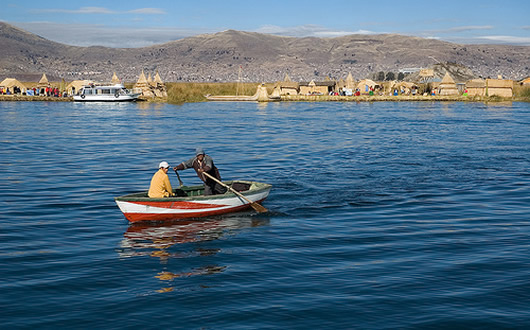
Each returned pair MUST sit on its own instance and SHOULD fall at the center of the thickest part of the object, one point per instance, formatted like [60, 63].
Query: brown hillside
[217, 57]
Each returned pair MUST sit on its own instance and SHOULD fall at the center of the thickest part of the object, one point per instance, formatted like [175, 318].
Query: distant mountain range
[262, 57]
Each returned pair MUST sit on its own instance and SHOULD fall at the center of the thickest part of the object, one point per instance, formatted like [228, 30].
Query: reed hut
[43, 83]
[317, 88]
[476, 87]
[288, 87]
[143, 85]
[347, 85]
[350, 82]
[159, 86]
[366, 85]
[447, 86]
[404, 87]
[499, 87]
[76, 85]
[11, 83]
[426, 75]
[151, 88]
[44, 80]
[115, 80]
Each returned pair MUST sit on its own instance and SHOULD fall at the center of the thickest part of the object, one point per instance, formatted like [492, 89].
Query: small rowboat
[190, 202]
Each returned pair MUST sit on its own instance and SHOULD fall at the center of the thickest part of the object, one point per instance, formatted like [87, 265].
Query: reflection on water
[161, 240]
[154, 239]
[151, 106]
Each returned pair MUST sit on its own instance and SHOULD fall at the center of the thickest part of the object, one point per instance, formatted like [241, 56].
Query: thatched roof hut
[350, 82]
[159, 86]
[447, 86]
[115, 80]
[11, 83]
[288, 87]
[476, 87]
[151, 88]
[142, 84]
[499, 87]
[317, 87]
[43, 82]
[403, 87]
[74, 87]
[365, 85]
[141, 80]
[157, 79]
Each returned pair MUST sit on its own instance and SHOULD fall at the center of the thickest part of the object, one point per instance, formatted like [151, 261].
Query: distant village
[427, 85]
[149, 87]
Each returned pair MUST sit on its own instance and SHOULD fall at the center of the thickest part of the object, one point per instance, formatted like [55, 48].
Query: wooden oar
[178, 176]
[255, 206]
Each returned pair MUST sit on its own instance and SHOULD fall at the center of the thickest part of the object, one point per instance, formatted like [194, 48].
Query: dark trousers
[213, 188]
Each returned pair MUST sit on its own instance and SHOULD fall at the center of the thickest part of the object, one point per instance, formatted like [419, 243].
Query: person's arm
[184, 165]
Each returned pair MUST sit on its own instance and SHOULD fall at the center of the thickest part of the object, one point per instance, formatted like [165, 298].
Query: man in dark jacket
[204, 163]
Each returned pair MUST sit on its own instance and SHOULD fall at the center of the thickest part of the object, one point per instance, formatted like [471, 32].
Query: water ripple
[382, 215]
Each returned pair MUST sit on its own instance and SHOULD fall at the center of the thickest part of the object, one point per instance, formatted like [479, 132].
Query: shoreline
[400, 98]
[25, 98]
[310, 98]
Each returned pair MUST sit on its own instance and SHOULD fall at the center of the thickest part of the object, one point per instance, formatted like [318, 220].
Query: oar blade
[258, 207]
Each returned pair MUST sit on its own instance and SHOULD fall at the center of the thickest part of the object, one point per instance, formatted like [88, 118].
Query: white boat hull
[104, 93]
[121, 98]
[170, 208]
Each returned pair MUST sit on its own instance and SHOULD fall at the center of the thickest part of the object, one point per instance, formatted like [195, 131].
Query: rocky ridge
[262, 57]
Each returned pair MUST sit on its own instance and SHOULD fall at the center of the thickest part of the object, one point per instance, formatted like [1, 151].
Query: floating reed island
[344, 90]
[430, 89]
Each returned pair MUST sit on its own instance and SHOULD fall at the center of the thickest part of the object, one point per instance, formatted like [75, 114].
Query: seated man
[160, 185]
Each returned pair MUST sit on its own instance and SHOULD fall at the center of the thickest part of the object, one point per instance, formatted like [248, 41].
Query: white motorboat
[106, 93]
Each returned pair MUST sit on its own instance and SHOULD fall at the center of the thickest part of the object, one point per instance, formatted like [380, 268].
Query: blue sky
[142, 23]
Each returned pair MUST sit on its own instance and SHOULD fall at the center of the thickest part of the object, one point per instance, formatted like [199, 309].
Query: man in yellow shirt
[160, 186]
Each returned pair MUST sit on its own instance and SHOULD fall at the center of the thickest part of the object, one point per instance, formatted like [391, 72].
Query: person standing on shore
[203, 163]
[160, 186]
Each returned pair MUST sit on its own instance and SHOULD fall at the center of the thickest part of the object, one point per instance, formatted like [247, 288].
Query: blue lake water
[382, 215]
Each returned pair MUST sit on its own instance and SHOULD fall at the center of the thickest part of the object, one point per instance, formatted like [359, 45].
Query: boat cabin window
[103, 91]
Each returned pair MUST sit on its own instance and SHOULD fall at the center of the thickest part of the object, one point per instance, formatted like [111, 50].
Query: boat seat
[239, 186]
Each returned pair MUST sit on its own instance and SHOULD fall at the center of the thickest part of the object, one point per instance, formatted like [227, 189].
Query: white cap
[164, 165]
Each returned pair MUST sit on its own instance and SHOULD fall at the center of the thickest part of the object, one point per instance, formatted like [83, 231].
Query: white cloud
[102, 11]
[470, 28]
[147, 11]
[507, 39]
[82, 10]
[308, 31]
[100, 35]
[463, 29]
